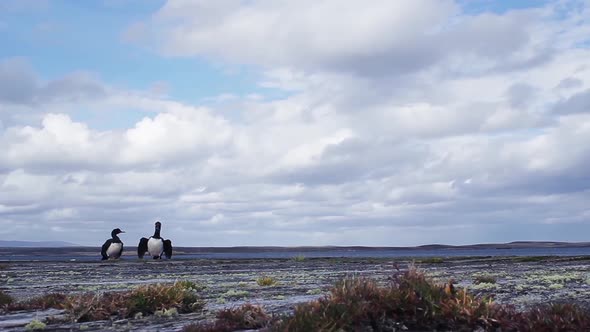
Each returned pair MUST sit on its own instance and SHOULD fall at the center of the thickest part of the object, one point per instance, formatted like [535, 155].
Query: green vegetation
[5, 299]
[484, 279]
[164, 299]
[266, 281]
[315, 291]
[35, 325]
[430, 260]
[299, 258]
[529, 259]
[245, 317]
[235, 294]
[51, 300]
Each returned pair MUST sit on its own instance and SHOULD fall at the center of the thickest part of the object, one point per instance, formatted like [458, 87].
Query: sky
[295, 123]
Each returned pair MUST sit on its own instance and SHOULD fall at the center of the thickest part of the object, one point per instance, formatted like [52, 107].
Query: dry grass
[484, 279]
[266, 281]
[5, 299]
[245, 317]
[181, 296]
[52, 300]
[145, 299]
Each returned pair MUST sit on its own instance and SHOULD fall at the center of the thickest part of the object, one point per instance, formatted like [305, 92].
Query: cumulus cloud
[577, 103]
[380, 39]
[21, 85]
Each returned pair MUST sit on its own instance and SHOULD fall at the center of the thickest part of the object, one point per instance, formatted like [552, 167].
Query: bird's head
[116, 231]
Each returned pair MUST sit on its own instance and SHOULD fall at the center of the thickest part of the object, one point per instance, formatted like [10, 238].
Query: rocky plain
[227, 283]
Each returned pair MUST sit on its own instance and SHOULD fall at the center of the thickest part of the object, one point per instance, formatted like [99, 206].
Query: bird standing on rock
[155, 245]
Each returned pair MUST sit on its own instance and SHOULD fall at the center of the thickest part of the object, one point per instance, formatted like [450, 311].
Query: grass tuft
[5, 299]
[299, 258]
[245, 317]
[166, 299]
[266, 281]
[35, 325]
[51, 300]
[484, 279]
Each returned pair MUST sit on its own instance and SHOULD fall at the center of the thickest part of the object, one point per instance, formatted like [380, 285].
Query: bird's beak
[122, 231]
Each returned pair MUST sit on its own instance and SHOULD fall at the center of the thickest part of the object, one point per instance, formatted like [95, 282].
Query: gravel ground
[521, 281]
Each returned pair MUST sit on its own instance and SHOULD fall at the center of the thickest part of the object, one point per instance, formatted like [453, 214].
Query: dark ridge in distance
[36, 244]
[72, 248]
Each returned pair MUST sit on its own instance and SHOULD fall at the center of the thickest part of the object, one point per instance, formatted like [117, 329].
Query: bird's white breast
[114, 250]
[155, 246]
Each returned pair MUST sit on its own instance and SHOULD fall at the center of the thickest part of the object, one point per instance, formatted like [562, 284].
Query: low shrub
[484, 279]
[266, 281]
[554, 317]
[410, 301]
[5, 299]
[245, 317]
[51, 300]
[145, 299]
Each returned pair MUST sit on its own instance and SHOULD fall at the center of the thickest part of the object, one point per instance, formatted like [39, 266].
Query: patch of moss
[235, 294]
[35, 325]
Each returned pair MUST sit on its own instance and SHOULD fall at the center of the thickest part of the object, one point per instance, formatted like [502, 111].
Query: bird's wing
[168, 248]
[104, 249]
[142, 247]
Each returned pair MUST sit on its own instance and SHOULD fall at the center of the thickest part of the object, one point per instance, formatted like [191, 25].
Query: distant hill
[511, 245]
[36, 244]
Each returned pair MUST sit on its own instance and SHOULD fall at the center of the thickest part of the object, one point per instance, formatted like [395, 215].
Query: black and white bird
[113, 247]
[155, 245]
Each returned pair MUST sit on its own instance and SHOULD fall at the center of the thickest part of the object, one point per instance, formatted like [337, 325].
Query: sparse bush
[5, 299]
[484, 279]
[266, 281]
[411, 301]
[554, 317]
[51, 300]
[149, 298]
[145, 299]
[245, 317]
[299, 258]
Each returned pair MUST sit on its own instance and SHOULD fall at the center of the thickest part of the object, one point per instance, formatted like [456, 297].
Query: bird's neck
[116, 238]
[156, 234]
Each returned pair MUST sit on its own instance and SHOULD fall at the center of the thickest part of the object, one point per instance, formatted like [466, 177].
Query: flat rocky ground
[521, 281]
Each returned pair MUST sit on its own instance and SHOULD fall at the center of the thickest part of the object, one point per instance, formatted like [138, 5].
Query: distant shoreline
[510, 245]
